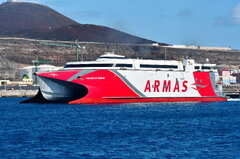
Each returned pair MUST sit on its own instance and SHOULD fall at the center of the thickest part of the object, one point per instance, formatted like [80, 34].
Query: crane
[74, 45]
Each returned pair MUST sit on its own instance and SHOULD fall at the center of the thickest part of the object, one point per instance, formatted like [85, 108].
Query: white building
[227, 78]
[28, 72]
[199, 47]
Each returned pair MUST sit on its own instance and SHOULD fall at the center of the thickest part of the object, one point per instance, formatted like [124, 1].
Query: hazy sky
[189, 22]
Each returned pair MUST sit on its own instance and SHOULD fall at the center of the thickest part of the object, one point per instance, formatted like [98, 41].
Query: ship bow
[57, 91]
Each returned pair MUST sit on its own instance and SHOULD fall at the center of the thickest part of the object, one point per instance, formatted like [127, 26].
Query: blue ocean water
[152, 130]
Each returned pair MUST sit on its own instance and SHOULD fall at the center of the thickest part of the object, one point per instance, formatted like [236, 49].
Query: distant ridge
[31, 20]
[17, 16]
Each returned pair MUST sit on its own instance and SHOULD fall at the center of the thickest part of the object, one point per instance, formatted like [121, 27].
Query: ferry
[112, 78]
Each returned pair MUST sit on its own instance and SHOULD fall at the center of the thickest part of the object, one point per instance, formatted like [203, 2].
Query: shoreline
[18, 93]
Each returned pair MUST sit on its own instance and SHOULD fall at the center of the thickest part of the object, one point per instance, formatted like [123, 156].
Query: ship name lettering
[166, 86]
[92, 78]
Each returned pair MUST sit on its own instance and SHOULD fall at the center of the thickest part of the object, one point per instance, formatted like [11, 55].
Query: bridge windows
[159, 66]
[87, 65]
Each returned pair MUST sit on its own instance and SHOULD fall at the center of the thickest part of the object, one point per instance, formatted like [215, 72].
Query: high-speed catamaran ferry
[113, 78]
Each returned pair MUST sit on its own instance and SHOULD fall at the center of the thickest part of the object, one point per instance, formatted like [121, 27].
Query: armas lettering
[166, 86]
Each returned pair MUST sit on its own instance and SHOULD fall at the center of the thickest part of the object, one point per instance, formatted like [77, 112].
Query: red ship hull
[146, 100]
[105, 86]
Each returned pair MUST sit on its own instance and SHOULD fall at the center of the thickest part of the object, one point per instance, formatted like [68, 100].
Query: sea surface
[152, 130]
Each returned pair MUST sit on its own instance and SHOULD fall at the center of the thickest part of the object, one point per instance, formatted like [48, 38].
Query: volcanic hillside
[30, 20]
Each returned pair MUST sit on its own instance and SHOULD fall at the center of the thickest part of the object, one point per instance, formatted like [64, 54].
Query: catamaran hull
[128, 86]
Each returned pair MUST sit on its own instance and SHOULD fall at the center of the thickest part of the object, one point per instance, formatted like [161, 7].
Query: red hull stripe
[145, 100]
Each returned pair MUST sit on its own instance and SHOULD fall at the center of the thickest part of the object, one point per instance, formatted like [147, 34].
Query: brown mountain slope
[22, 16]
[30, 20]
[85, 33]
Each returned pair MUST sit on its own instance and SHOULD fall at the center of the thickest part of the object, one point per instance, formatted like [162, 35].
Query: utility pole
[36, 62]
[165, 53]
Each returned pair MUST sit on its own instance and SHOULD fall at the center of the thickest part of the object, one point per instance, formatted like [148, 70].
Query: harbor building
[27, 73]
